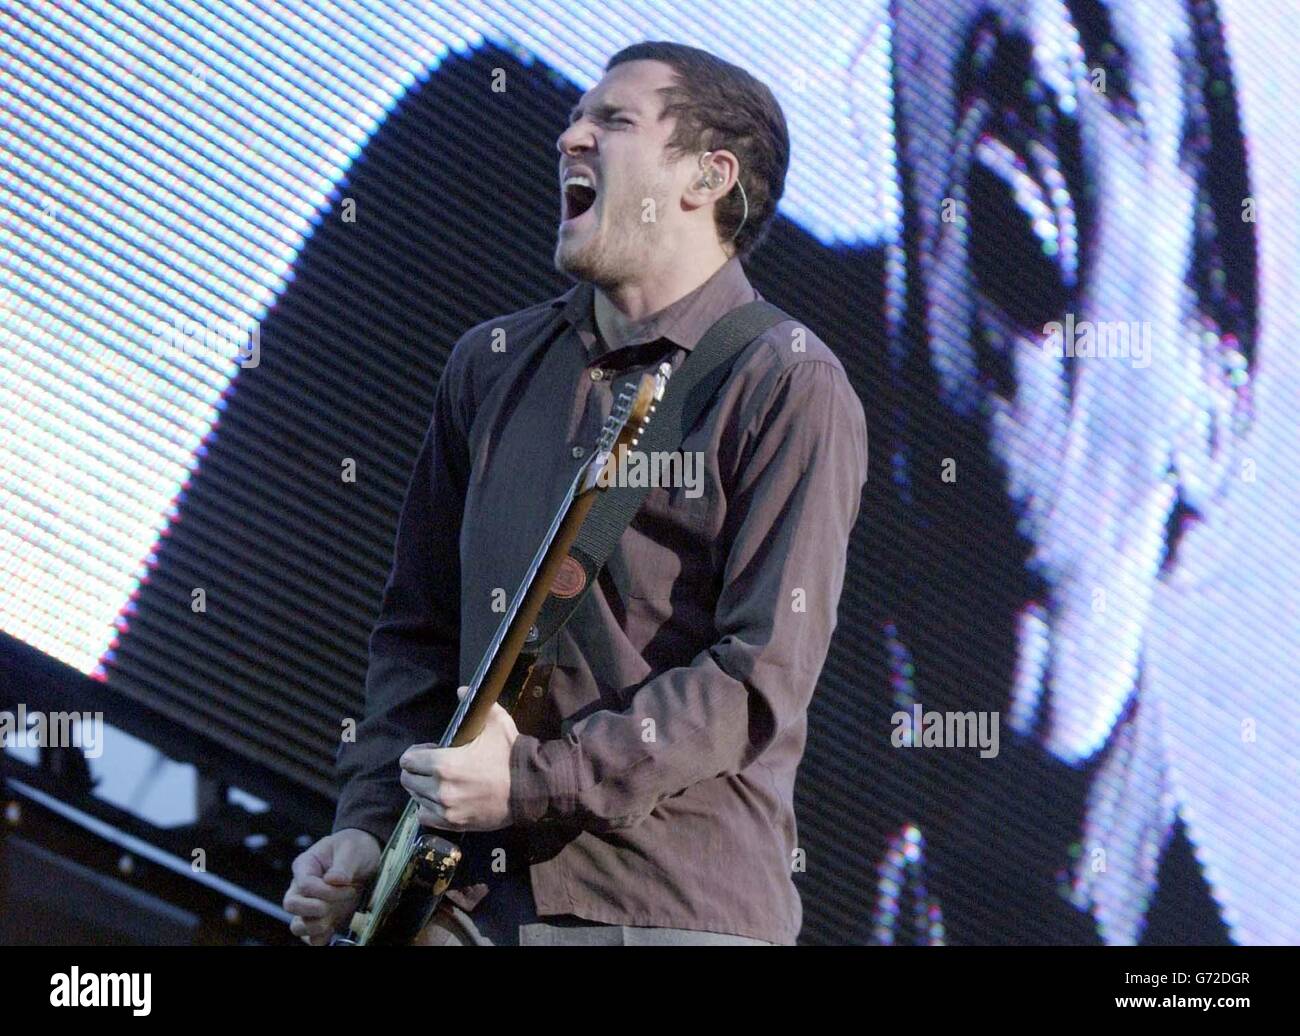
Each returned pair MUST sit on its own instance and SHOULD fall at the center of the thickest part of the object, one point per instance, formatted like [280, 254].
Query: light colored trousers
[507, 918]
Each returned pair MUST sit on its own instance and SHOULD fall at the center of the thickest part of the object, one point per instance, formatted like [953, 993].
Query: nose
[575, 138]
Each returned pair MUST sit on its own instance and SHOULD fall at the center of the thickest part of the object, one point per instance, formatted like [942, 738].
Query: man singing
[648, 796]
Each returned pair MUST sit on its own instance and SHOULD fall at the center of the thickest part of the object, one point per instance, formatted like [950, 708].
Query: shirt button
[578, 452]
[597, 374]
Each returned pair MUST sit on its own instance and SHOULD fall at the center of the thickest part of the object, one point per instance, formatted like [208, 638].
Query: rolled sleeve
[803, 463]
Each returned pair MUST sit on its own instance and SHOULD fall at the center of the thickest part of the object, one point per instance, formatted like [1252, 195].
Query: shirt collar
[683, 323]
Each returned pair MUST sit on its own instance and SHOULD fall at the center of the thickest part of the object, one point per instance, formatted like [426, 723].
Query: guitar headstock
[633, 406]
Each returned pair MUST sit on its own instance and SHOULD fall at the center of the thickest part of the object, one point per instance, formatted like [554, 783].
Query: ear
[713, 179]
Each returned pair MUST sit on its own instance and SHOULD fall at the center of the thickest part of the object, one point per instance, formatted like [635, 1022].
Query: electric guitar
[418, 864]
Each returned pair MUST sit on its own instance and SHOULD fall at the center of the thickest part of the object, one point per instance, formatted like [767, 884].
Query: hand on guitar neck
[465, 788]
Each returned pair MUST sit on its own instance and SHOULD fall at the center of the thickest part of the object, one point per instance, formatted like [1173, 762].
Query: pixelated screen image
[1052, 241]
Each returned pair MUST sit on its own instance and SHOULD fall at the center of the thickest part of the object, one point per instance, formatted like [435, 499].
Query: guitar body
[415, 871]
[431, 867]
[427, 874]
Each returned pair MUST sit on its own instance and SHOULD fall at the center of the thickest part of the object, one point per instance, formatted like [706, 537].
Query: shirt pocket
[667, 548]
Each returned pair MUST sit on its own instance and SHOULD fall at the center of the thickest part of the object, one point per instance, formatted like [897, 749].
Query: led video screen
[1049, 239]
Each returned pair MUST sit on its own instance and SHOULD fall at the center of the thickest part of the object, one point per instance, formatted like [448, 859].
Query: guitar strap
[688, 395]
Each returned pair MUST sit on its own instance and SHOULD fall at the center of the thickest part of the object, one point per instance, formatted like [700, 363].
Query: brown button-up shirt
[653, 781]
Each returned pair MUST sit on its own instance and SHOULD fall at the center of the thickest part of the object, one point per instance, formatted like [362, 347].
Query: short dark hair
[721, 106]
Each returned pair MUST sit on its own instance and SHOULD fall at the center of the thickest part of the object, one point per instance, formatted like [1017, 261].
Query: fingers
[353, 863]
[328, 891]
[425, 760]
[306, 908]
[312, 862]
[432, 814]
[432, 811]
[419, 787]
[425, 793]
[315, 899]
[327, 883]
[313, 921]
[312, 932]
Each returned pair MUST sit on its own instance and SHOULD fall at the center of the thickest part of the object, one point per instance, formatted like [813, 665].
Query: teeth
[578, 181]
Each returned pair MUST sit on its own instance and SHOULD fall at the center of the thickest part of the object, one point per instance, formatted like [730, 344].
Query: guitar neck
[503, 651]
[627, 418]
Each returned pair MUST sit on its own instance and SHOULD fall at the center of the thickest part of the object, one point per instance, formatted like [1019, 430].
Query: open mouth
[578, 199]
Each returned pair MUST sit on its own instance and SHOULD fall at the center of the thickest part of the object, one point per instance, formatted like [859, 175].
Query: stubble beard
[606, 257]
[617, 250]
